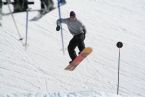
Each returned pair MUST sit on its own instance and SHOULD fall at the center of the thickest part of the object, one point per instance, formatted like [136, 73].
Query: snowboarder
[78, 30]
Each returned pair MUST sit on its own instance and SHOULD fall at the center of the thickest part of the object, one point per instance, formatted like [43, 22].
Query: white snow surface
[38, 69]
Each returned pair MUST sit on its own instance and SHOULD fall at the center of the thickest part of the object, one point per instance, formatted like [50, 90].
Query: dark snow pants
[48, 3]
[20, 5]
[76, 41]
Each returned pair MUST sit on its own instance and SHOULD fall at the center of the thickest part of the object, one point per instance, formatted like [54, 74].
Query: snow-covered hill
[39, 68]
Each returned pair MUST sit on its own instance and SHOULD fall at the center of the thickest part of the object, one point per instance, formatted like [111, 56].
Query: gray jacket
[75, 26]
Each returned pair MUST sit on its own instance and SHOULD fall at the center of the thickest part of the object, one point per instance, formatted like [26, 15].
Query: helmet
[72, 13]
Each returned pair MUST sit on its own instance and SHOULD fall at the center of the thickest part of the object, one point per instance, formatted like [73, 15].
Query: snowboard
[40, 15]
[79, 59]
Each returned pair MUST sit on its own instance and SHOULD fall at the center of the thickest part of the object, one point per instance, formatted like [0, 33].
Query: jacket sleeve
[59, 21]
[83, 27]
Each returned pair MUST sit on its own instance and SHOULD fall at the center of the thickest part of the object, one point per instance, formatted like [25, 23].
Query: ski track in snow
[40, 67]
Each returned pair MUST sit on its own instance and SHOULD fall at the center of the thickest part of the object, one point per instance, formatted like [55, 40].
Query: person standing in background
[20, 5]
[46, 5]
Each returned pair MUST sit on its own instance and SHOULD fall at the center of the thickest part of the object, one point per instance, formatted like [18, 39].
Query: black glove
[57, 28]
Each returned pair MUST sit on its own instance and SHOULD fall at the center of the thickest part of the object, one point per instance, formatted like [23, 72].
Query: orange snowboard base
[79, 59]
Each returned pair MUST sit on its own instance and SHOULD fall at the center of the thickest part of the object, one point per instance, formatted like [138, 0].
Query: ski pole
[59, 12]
[119, 45]
[20, 37]
[27, 17]
[26, 27]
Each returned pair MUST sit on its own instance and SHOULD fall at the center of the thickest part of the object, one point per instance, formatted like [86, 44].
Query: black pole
[119, 45]
[118, 72]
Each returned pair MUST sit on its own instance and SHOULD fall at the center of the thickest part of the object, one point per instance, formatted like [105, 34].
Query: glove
[57, 28]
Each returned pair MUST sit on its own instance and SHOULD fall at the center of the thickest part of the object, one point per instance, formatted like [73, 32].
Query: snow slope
[40, 67]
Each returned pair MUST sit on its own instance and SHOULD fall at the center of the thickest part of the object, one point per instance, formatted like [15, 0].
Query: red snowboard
[79, 59]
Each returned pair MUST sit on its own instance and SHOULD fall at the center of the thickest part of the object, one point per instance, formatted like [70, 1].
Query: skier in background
[46, 5]
[0, 8]
[62, 2]
[78, 30]
[0, 12]
[20, 5]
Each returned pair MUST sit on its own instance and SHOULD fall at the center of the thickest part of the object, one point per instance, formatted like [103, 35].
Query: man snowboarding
[78, 30]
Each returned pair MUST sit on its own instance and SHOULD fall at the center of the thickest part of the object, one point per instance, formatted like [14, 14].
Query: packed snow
[37, 70]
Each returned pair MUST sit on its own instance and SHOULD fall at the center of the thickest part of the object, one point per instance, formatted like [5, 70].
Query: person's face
[72, 17]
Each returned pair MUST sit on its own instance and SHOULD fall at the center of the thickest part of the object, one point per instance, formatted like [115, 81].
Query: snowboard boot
[72, 60]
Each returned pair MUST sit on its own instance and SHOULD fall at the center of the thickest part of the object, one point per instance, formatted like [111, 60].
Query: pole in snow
[59, 13]
[20, 37]
[27, 17]
[119, 45]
